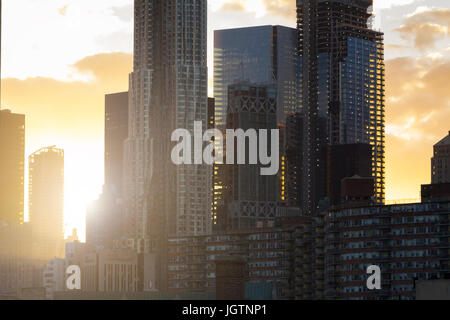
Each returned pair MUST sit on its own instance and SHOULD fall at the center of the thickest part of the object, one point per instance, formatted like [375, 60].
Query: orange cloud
[418, 109]
[425, 28]
[74, 110]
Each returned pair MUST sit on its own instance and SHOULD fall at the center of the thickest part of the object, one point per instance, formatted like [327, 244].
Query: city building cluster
[166, 231]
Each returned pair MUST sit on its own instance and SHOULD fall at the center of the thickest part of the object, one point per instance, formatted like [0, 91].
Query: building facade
[54, 277]
[408, 243]
[12, 172]
[118, 271]
[440, 163]
[266, 252]
[249, 198]
[259, 55]
[46, 202]
[342, 88]
[168, 90]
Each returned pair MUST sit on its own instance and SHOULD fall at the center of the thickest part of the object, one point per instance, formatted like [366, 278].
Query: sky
[60, 57]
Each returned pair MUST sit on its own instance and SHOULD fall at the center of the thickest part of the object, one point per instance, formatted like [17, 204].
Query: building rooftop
[445, 141]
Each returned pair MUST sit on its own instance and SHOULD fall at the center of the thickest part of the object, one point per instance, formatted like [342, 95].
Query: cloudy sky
[61, 56]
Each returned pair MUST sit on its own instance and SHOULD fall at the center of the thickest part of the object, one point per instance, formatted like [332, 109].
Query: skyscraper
[441, 161]
[116, 132]
[168, 91]
[46, 202]
[260, 55]
[342, 88]
[12, 151]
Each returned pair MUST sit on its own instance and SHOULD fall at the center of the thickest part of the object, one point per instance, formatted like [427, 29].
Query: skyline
[411, 130]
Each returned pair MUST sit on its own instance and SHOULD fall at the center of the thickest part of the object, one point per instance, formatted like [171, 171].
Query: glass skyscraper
[342, 85]
[259, 55]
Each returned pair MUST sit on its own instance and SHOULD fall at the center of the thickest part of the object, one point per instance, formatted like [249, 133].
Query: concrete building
[105, 216]
[116, 132]
[440, 163]
[261, 56]
[12, 172]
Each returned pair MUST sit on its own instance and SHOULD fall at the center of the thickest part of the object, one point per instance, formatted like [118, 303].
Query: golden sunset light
[59, 77]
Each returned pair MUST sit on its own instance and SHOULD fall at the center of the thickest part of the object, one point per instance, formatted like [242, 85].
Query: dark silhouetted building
[342, 88]
[267, 252]
[104, 220]
[250, 199]
[12, 150]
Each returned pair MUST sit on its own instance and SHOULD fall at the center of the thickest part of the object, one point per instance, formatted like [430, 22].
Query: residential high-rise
[292, 189]
[46, 202]
[441, 162]
[12, 150]
[116, 132]
[263, 55]
[260, 55]
[168, 91]
[342, 88]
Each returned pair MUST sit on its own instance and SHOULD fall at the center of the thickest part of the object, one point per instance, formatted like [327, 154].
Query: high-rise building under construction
[343, 80]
